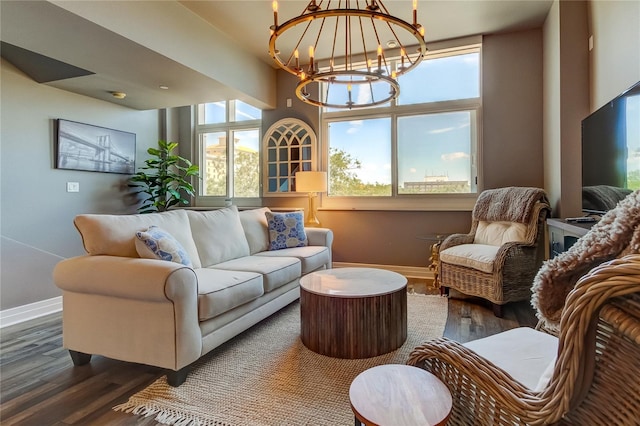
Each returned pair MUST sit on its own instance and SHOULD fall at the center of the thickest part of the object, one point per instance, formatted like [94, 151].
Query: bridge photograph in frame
[82, 146]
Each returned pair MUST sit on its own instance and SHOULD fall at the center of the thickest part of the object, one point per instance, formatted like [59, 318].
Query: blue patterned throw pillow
[159, 244]
[286, 230]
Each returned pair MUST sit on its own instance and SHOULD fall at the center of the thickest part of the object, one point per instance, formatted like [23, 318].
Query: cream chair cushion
[522, 352]
[477, 256]
[499, 233]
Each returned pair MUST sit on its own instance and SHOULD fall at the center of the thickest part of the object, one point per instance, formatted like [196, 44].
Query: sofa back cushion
[499, 233]
[218, 235]
[254, 223]
[115, 235]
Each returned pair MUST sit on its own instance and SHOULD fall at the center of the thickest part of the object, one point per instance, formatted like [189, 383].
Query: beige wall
[615, 59]
[566, 101]
[36, 211]
[578, 81]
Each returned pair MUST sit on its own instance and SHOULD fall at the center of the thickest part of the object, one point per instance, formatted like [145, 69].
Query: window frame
[228, 127]
[419, 202]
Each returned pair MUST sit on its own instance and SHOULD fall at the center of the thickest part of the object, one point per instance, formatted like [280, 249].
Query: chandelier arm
[364, 44]
[315, 46]
[384, 58]
[348, 57]
[333, 48]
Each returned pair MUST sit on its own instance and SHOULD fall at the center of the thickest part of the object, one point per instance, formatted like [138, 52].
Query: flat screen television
[611, 152]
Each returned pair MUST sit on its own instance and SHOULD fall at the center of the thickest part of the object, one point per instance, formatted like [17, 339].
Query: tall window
[425, 143]
[229, 140]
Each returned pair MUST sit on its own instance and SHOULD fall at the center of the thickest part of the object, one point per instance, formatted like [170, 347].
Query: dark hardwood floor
[40, 386]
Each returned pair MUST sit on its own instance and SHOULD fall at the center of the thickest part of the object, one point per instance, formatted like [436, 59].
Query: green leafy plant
[165, 179]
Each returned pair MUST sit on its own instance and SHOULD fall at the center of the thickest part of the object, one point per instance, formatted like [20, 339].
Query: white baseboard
[31, 311]
[421, 272]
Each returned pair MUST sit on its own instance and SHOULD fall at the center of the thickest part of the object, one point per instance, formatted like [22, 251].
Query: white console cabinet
[562, 234]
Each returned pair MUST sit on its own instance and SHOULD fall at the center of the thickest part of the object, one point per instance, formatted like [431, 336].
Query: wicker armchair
[593, 380]
[499, 257]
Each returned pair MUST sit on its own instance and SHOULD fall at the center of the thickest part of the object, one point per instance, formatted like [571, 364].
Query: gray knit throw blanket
[512, 204]
[616, 234]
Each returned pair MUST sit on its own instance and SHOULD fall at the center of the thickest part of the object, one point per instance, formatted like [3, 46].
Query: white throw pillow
[218, 235]
[499, 233]
[156, 243]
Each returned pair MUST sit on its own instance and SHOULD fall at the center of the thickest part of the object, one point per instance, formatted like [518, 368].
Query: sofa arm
[135, 310]
[319, 236]
[125, 277]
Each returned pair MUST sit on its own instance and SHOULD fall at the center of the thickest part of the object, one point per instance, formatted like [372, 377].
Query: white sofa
[162, 313]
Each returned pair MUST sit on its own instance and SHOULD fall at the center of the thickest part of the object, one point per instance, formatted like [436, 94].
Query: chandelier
[348, 54]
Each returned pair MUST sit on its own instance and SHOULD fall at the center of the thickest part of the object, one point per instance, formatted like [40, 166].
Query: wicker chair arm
[513, 251]
[456, 240]
[464, 367]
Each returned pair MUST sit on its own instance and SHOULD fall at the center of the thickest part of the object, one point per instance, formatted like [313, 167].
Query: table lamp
[311, 183]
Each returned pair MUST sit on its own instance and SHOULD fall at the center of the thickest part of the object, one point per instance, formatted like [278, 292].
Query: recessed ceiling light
[119, 95]
[392, 44]
[163, 87]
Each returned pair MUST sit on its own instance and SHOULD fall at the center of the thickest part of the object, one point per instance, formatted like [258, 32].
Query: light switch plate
[73, 186]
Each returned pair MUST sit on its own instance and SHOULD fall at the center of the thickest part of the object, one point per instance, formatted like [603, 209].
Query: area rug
[266, 376]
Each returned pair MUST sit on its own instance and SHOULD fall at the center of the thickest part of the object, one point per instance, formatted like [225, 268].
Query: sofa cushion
[476, 256]
[522, 352]
[312, 257]
[220, 291]
[254, 223]
[115, 235]
[156, 243]
[218, 235]
[276, 271]
[499, 233]
[286, 230]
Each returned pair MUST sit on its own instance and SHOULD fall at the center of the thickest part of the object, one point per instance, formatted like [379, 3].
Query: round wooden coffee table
[353, 312]
[399, 395]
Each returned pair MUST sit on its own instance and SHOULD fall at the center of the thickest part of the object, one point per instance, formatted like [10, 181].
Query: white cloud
[444, 130]
[364, 94]
[355, 127]
[412, 170]
[452, 156]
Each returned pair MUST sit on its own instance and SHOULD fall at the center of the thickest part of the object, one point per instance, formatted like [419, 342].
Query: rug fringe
[165, 416]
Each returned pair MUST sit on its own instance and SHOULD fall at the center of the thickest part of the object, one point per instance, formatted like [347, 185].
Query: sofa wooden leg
[497, 310]
[176, 378]
[79, 358]
[444, 291]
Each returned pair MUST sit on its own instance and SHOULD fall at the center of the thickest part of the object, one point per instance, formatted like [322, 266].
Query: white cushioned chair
[588, 375]
[499, 257]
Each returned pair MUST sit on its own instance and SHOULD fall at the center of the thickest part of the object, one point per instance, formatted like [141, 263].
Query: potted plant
[165, 179]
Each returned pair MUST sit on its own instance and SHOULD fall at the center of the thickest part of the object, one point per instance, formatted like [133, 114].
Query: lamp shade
[311, 182]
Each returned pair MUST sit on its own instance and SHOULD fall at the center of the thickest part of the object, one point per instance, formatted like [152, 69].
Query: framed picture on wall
[82, 146]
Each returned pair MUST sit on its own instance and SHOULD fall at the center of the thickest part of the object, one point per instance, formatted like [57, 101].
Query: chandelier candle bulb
[311, 59]
[402, 53]
[297, 56]
[379, 58]
[415, 13]
[275, 13]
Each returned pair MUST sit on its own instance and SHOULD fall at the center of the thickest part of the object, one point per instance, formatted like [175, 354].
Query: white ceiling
[47, 28]
[248, 22]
